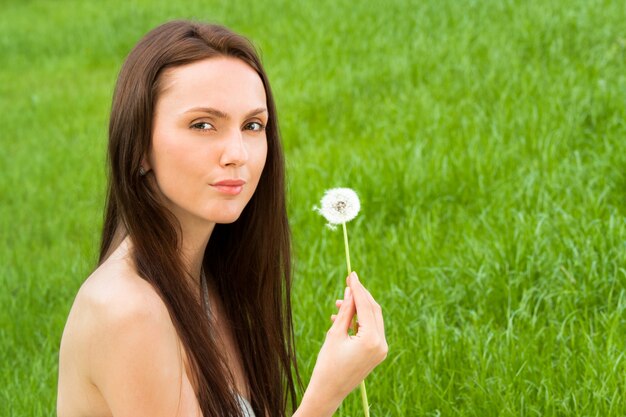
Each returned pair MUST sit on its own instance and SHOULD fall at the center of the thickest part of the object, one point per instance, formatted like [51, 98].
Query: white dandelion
[339, 206]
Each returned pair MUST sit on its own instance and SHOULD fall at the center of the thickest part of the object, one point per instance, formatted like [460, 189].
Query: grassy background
[487, 143]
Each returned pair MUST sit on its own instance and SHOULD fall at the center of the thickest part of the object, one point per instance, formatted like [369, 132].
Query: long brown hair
[249, 260]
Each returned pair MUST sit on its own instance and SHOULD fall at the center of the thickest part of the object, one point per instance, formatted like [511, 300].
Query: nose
[234, 152]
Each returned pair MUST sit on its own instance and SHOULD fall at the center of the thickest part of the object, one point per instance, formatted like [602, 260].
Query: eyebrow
[221, 115]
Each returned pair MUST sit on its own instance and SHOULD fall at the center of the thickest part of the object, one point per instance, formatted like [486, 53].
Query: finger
[345, 314]
[380, 324]
[338, 303]
[333, 317]
[378, 314]
[365, 291]
[373, 323]
[365, 305]
[354, 274]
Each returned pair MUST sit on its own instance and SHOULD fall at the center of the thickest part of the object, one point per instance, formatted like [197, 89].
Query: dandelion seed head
[339, 205]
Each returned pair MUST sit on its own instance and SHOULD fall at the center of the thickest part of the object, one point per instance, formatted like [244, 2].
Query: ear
[145, 163]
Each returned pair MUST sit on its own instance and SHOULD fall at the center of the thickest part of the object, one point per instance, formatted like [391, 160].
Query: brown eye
[202, 126]
[255, 126]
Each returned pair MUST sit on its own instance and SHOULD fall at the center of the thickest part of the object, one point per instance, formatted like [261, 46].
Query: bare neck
[194, 242]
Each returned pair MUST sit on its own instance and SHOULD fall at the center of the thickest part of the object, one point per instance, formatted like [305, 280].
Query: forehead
[223, 82]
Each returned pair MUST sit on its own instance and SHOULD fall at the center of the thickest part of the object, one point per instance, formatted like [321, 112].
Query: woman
[188, 312]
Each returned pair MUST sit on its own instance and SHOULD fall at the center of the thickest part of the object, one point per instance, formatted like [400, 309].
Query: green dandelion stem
[345, 241]
[366, 407]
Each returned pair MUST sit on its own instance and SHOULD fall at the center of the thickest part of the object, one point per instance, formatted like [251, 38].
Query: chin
[223, 214]
[227, 221]
[227, 218]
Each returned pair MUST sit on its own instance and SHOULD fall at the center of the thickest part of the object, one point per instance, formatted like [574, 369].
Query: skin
[119, 328]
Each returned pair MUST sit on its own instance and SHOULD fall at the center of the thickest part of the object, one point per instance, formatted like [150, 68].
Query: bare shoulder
[117, 331]
[115, 294]
[114, 299]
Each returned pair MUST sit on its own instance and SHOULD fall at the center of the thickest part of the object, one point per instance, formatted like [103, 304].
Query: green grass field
[487, 141]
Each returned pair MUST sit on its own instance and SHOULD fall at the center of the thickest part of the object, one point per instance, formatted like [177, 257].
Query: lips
[230, 183]
[230, 187]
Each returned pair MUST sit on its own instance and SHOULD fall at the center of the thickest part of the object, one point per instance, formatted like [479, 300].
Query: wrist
[317, 403]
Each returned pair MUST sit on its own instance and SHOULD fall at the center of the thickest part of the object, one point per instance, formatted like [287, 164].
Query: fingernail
[354, 275]
[346, 293]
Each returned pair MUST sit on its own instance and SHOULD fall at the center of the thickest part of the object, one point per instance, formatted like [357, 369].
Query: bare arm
[344, 360]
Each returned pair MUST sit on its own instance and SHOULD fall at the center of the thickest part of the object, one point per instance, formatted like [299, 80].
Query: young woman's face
[208, 143]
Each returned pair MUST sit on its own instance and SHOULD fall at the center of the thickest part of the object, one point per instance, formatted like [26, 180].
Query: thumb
[346, 312]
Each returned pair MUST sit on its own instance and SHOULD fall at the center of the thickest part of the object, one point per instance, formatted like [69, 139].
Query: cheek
[173, 162]
[261, 159]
